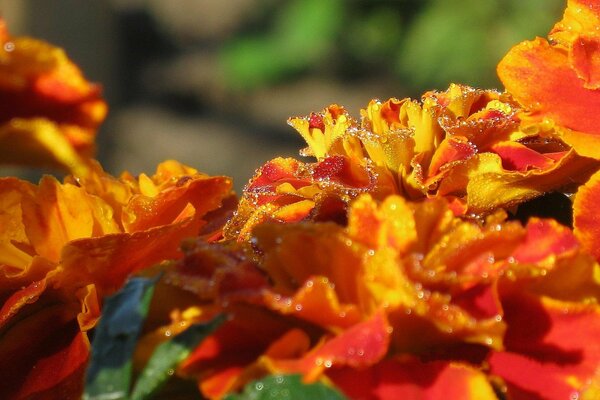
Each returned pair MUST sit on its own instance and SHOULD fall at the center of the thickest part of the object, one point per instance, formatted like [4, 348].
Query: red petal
[552, 347]
[21, 298]
[544, 239]
[411, 379]
[517, 157]
[450, 149]
[360, 346]
[48, 365]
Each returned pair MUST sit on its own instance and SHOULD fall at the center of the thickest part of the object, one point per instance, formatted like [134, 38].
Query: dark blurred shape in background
[212, 82]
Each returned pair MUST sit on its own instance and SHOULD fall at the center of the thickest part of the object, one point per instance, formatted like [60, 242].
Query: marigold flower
[465, 144]
[49, 113]
[405, 286]
[63, 247]
[557, 80]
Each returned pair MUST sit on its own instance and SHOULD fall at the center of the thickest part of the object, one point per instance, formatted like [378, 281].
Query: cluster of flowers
[390, 267]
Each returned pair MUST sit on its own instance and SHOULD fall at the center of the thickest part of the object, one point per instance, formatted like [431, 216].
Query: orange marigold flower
[66, 246]
[50, 112]
[407, 287]
[466, 144]
[558, 80]
[286, 190]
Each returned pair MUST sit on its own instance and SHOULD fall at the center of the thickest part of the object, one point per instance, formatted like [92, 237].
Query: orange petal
[541, 77]
[391, 224]
[108, 260]
[325, 252]
[203, 193]
[586, 220]
[38, 142]
[412, 379]
[61, 213]
[585, 56]
[552, 347]
[361, 346]
[490, 186]
[317, 302]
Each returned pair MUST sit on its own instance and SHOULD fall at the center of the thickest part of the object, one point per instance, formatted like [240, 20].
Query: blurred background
[211, 83]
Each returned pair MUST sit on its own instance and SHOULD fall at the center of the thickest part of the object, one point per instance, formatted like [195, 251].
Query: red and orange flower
[50, 112]
[65, 246]
[389, 267]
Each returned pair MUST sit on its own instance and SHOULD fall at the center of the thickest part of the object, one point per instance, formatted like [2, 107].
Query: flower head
[65, 246]
[50, 112]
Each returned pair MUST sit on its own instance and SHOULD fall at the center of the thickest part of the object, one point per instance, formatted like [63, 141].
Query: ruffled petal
[548, 338]
[360, 346]
[412, 379]
[586, 220]
[559, 80]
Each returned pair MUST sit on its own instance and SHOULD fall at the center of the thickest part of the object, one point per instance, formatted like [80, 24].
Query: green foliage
[422, 44]
[302, 35]
[109, 372]
[463, 40]
[286, 387]
[168, 355]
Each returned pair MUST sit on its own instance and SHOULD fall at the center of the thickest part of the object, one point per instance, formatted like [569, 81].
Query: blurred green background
[212, 82]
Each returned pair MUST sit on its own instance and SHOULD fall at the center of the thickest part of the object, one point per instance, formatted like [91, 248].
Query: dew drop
[574, 396]
[328, 364]
[298, 307]
[259, 386]
[167, 333]
[171, 372]
[9, 46]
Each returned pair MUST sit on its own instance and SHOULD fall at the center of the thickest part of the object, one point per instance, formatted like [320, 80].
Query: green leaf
[168, 355]
[109, 372]
[286, 387]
